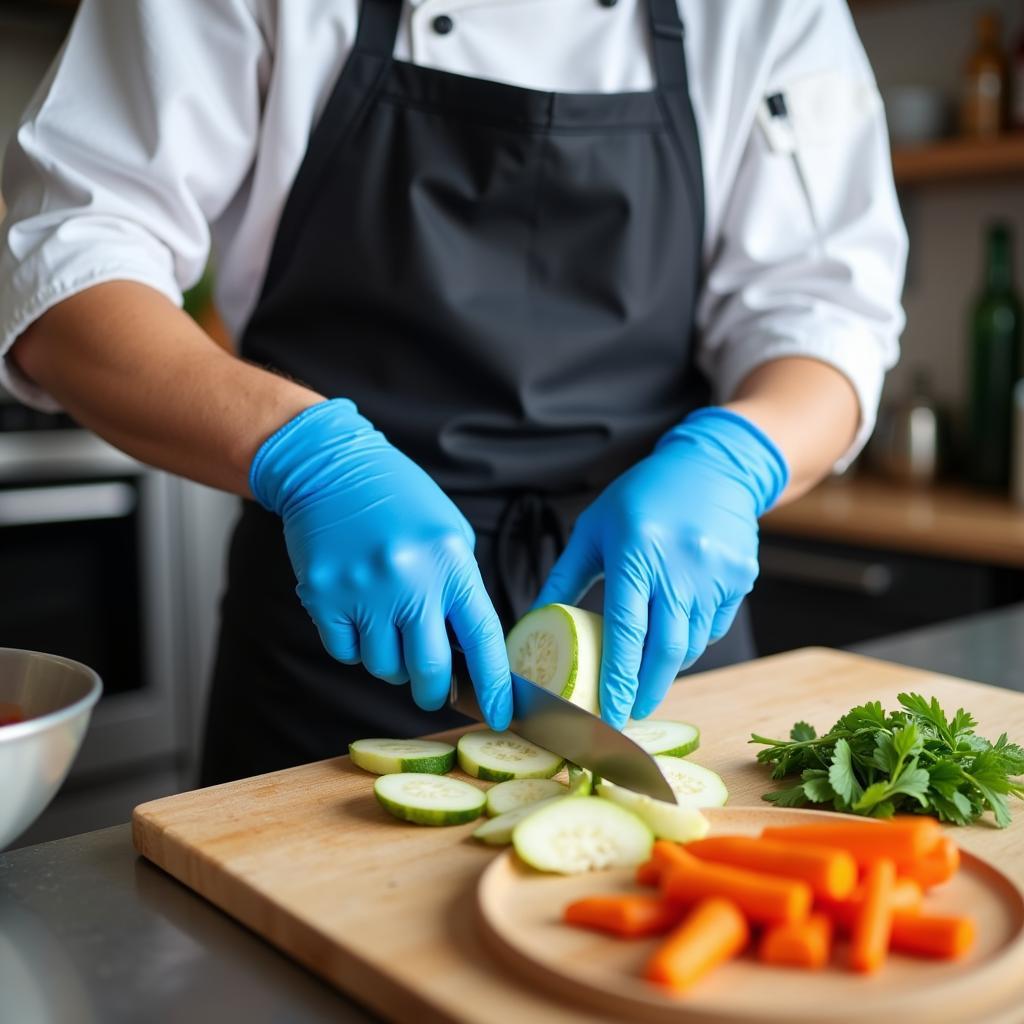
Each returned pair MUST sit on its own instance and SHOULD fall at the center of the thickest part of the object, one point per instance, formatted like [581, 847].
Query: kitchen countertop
[90, 932]
[945, 520]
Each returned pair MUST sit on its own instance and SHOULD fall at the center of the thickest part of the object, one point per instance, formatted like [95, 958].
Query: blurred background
[119, 566]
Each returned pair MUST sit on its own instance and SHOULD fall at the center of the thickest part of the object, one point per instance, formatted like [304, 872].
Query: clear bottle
[995, 364]
[985, 95]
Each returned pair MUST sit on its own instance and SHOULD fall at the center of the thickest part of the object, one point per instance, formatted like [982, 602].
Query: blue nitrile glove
[382, 556]
[676, 539]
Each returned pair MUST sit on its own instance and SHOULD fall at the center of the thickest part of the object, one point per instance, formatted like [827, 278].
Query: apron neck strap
[378, 27]
[667, 43]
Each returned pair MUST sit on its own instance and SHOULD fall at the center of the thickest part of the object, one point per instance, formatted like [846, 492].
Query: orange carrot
[906, 898]
[903, 841]
[628, 916]
[648, 873]
[873, 924]
[938, 865]
[829, 872]
[798, 944]
[763, 898]
[929, 935]
[663, 854]
[713, 932]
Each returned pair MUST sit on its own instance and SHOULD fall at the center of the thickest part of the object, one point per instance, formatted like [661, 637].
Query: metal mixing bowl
[56, 697]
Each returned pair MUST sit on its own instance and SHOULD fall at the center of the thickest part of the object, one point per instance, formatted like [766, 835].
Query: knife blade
[550, 721]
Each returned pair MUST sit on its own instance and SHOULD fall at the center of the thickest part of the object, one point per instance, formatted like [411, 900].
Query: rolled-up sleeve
[138, 138]
[809, 254]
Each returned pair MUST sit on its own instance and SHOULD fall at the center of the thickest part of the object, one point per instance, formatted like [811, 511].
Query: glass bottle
[983, 110]
[995, 363]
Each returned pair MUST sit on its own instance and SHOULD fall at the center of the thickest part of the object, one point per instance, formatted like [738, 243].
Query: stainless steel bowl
[56, 696]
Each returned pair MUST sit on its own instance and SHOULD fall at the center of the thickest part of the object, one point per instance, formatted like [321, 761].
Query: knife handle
[462, 696]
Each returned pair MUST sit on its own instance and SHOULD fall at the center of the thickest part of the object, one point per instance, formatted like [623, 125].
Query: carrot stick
[713, 932]
[928, 935]
[648, 873]
[628, 916]
[906, 898]
[829, 872]
[763, 898]
[663, 853]
[903, 841]
[798, 944]
[938, 865]
[872, 926]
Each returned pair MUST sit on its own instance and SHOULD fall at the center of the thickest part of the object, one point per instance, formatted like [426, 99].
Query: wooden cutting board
[386, 911]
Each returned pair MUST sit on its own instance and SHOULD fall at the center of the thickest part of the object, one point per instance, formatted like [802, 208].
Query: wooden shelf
[947, 521]
[960, 159]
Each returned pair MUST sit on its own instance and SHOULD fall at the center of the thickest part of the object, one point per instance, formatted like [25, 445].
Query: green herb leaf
[912, 758]
[841, 774]
[794, 796]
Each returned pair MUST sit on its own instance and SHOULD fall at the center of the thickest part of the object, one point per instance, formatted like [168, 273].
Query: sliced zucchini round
[388, 757]
[582, 833]
[429, 799]
[498, 831]
[516, 793]
[665, 820]
[559, 647]
[671, 739]
[499, 756]
[581, 780]
[693, 784]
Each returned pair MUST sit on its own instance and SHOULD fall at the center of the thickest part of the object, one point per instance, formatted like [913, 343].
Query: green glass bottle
[995, 364]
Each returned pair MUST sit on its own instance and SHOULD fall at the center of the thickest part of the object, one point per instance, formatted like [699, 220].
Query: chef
[529, 295]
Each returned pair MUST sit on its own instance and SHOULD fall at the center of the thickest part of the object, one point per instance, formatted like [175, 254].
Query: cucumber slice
[581, 780]
[517, 793]
[666, 821]
[429, 799]
[582, 833]
[559, 647]
[498, 831]
[671, 739]
[693, 785]
[387, 757]
[499, 756]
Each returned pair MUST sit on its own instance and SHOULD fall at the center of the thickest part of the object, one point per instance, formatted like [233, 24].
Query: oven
[90, 569]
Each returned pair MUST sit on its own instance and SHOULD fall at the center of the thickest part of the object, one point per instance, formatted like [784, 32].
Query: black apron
[504, 282]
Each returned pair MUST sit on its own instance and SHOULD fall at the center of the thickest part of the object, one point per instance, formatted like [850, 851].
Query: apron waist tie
[529, 537]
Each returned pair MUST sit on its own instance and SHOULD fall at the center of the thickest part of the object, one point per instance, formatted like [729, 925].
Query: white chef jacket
[166, 128]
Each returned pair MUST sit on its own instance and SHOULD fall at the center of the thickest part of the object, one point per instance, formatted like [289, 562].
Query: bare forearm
[808, 408]
[131, 366]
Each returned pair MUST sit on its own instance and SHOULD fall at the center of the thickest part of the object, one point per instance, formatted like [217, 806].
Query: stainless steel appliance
[91, 568]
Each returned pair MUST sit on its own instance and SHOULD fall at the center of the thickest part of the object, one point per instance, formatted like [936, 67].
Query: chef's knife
[550, 721]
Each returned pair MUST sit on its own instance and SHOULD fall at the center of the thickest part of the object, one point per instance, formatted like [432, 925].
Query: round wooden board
[520, 911]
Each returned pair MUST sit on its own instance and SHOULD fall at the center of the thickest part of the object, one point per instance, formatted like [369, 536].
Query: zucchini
[499, 756]
[429, 799]
[581, 780]
[517, 793]
[665, 820]
[559, 647]
[671, 739]
[693, 785]
[582, 833]
[498, 831]
[388, 757]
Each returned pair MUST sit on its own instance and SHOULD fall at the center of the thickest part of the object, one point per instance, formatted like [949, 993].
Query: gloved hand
[676, 539]
[382, 556]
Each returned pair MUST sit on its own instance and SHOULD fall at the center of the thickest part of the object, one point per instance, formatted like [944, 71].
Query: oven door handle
[70, 503]
[872, 579]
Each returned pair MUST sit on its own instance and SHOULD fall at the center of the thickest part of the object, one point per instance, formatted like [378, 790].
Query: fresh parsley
[913, 760]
